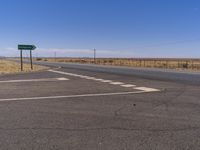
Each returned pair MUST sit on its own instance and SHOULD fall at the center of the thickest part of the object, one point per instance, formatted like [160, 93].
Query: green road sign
[26, 47]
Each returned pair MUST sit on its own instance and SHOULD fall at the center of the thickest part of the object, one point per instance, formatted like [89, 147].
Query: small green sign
[26, 47]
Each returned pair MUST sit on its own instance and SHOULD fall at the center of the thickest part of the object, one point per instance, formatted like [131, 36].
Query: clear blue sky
[116, 28]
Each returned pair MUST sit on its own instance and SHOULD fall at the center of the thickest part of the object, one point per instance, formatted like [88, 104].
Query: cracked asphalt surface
[167, 120]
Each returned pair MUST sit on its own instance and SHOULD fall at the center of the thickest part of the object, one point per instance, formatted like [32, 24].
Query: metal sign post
[21, 60]
[31, 59]
[26, 47]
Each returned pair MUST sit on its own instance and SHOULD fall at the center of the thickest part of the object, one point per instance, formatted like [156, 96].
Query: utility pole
[95, 56]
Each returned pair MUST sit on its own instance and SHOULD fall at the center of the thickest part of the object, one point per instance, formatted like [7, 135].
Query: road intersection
[70, 108]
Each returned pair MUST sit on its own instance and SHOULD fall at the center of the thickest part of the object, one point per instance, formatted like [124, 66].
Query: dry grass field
[7, 67]
[171, 63]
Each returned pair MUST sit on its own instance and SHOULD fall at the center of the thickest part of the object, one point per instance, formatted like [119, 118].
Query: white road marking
[91, 78]
[65, 73]
[128, 85]
[62, 79]
[84, 77]
[98, 79]
[106, 81]
[35, 80]
[146, 89]
[116, 83]
[81, 76]
[73, 96]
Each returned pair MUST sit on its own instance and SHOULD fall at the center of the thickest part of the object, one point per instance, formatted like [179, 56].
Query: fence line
[170, 63]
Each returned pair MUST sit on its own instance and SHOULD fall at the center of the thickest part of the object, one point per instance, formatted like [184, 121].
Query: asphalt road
[89, 107]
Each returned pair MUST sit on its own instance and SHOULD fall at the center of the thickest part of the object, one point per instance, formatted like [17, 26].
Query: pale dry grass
[7, 67]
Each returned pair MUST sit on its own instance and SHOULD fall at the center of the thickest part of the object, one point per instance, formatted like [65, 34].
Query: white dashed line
[98, 79]
[146, 89]
[84, 77]
[116, 83]
[128, 85]
[62, 79]
[106, 81]
[92, 78]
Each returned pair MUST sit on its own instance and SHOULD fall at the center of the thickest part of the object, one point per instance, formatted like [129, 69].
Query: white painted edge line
[98, 79]
[65, 73]
[91, 78]
[128, 85]
[84, 77]
[116, 83]
[146, 89]
[73, 96]
[35, 80]
[62, 79]
[106, 81]
[81, 76]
